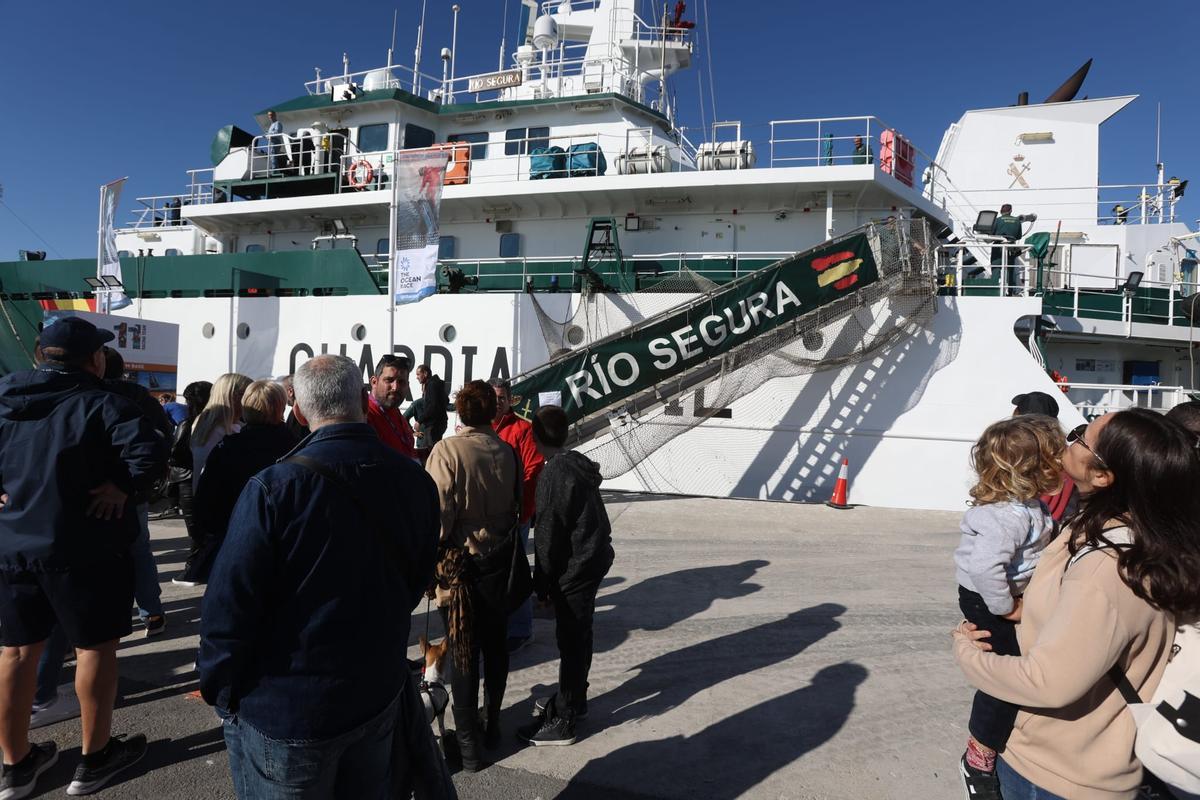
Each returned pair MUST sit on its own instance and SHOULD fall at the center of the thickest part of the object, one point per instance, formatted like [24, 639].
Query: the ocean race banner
[416, 199]
[625, 364]
[109, 262]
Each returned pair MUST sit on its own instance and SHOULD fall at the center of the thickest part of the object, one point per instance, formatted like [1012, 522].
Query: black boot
[466, 730]
[491, 729]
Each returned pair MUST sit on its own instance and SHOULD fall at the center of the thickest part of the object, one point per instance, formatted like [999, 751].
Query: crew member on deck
[1009, 228]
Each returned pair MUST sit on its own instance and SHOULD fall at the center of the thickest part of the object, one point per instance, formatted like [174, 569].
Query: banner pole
[103, 304]
[393, 210]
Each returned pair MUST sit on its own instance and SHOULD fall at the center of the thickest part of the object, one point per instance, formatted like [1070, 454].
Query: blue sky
[96, 91]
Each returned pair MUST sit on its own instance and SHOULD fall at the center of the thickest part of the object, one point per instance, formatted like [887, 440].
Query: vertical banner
[416, 198]
[109, 262]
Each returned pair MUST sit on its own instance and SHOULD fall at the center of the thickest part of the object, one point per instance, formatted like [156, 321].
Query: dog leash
[428, 601]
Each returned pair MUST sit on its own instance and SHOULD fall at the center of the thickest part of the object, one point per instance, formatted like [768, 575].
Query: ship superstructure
[576, 204]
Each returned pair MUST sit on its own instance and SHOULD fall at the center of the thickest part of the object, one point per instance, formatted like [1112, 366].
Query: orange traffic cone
[839, 489]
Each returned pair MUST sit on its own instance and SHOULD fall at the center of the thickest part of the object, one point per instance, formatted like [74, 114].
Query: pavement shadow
[730, 757]
[667, 681]
[655, 604]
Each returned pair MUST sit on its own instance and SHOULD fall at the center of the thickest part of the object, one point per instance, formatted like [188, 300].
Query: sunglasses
[1076, 435]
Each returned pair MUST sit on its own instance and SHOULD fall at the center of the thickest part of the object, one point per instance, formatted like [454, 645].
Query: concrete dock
[743, 649]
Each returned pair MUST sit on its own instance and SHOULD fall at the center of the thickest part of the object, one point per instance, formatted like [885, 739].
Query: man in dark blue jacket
[74, 461]
[304, 627]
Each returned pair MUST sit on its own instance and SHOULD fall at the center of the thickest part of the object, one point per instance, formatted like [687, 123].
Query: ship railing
[395, 76]
[159, 211]
[1083, 280]
[200, 186]
[1103, 204]
[306, 152]
[507, 161]
[1096, 399]
[849, 141]
[567, 71]
[725, 265]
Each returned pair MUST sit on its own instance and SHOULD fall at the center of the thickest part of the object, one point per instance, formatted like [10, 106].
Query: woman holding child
[1104, 597]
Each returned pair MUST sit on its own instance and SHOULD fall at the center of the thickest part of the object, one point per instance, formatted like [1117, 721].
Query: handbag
[507, 560]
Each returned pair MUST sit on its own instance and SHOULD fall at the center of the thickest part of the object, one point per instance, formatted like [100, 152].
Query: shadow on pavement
[728, 758]
[668, 681]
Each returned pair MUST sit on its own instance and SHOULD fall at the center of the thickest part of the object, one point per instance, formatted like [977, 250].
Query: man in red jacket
[389, 385]
[519, 434]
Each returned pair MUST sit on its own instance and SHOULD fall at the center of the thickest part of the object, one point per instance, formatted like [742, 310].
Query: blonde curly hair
[1019, 459]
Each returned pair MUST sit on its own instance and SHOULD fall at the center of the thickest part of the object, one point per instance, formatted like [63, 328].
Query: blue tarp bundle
[547, 162]
[586, 158]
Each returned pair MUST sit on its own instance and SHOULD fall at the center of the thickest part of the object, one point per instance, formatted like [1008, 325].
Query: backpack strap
[1115, 673]
[385, 542]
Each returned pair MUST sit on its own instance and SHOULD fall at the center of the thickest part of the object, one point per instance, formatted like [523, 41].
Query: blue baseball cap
[75, 335]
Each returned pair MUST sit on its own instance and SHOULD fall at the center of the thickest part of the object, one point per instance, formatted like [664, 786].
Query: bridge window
[478, 143]
[510, 245]
[254, 248]
[447, 247]
[123, 254]
[172, 251]
[373, 138]
[416, 137]
[520, 141]
[381, 247]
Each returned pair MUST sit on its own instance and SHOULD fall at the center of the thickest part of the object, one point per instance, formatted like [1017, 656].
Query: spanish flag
[838, 269]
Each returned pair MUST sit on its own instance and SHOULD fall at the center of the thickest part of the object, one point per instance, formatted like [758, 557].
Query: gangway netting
[837, 324]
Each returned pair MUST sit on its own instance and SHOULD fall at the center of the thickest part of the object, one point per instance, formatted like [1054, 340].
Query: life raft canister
[360, 175]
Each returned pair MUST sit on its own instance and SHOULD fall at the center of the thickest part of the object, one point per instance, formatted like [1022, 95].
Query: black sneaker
[547, 731]
[539, 709]
[119, 754]
[19, 780]
[980, 785]
[155, 625]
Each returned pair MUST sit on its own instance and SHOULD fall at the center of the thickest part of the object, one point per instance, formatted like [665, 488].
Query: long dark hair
[196, 394]
[1156, 475]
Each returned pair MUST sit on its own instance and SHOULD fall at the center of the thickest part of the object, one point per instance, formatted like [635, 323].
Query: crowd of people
[1066, 618]
[318, 517]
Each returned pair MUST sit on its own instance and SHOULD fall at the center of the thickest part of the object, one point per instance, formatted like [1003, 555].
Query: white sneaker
[182, 582]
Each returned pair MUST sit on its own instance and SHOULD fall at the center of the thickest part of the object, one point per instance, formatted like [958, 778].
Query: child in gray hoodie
[1003, 533]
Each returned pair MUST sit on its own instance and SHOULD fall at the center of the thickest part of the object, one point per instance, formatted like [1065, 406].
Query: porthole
[358, 332]
[243, 330]
[448, 334]
[574, 335]
[813, 340]
[209, 330]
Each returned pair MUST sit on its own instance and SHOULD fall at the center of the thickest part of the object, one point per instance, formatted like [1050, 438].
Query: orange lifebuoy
[360, 175]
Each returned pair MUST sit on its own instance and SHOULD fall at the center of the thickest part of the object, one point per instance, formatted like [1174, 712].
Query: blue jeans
[356, 765]
[146, 591]
[520, 622]
[1014, 787]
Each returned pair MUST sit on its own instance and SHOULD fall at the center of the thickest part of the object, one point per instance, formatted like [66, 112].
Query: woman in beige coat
[1104, 597]
[479, 489]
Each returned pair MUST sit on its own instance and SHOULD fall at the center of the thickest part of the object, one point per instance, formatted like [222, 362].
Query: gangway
[610, 382]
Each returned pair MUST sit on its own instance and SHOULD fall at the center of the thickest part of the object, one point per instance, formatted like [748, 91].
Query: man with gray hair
[304, 627]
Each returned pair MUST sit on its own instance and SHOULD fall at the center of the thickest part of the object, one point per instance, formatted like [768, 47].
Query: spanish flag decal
[838, 269]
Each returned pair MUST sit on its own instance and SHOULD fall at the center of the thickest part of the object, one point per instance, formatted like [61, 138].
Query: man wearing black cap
[74, 460]
[1035, 403]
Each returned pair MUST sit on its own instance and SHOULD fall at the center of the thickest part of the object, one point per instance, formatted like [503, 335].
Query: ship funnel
[1023, 99]
[1071, 86]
